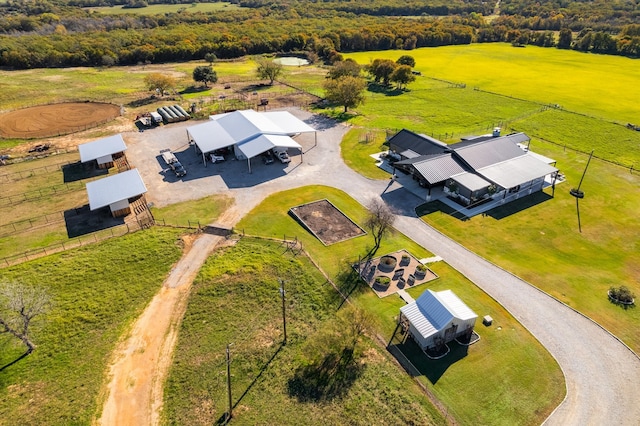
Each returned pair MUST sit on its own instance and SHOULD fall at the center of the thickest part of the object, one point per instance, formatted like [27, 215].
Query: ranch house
[474, 170]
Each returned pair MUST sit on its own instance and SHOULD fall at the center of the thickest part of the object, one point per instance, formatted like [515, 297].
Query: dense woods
[57, 33]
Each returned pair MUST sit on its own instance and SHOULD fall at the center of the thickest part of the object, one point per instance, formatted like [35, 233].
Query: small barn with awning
[436, 318]
[249, 133]
[116, 192]
[103, 151]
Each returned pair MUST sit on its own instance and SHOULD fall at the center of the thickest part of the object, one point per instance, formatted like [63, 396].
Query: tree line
[62, 36]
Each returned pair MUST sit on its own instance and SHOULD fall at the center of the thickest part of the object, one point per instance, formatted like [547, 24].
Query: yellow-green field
[160, 9]
[598, 85]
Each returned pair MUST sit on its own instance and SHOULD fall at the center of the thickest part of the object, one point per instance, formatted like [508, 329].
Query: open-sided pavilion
[248, 132]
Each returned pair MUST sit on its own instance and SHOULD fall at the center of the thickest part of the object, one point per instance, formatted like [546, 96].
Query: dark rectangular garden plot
[326, 222]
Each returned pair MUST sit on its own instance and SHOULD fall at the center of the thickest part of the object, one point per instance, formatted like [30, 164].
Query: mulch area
[399, 275]
[326, 222]
[57, 119]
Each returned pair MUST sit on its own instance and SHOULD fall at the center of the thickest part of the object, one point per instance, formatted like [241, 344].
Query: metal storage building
[103, 150]
[115, 192]
[437, 317]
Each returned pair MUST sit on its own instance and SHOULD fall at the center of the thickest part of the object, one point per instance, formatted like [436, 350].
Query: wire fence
[71, 243]
[42, 193]
[25, 174]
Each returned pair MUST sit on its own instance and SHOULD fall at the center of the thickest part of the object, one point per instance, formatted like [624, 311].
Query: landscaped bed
[326, 222]
[394, 271]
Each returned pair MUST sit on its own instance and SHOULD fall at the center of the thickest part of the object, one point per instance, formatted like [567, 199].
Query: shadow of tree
[385, 90]
[329, 379]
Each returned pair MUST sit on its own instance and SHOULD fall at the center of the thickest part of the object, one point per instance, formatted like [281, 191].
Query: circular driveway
[601, 373]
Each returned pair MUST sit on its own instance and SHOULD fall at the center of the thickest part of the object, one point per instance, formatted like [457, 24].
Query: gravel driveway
[602, 374]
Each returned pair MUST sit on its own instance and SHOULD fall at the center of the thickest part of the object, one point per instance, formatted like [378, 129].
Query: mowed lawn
[514, 379]
[96, 292]
[537, 238]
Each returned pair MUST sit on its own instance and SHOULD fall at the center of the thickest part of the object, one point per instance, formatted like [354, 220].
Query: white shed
[437, 317]
[115, 192]
[103, 150]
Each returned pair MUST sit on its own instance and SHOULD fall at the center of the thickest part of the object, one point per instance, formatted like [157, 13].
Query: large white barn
[248, 132]
[436, 318]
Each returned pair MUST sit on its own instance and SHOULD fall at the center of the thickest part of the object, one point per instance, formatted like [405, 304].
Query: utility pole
[230, 413]
[284, 312]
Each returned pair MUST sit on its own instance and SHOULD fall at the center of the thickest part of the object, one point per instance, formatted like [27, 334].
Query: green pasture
[537, 238]
[161, 9]
[204, 211]
[235, 300]
[96, 293]
[599, 85]
[514, 379]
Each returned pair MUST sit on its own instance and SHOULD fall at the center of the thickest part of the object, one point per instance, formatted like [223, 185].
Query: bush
[621, 294]
[383, 280]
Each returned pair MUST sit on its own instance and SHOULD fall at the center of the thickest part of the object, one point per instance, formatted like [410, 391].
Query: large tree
[381, 69]
[402, 76]
[343, 68]
[160, 82]
[406, 60]
[379, 221]
[267, 69]
[19, 306]
[347, 91]
[205, 74]
[565, 37]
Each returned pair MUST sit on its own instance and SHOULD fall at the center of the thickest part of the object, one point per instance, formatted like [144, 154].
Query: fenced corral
[52, 120]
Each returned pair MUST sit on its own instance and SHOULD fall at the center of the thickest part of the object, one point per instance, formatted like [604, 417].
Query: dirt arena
[57, 119]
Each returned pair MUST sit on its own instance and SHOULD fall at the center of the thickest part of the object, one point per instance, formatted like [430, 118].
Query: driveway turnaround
[602, 374]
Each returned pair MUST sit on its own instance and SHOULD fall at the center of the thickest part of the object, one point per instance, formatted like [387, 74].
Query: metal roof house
[116, 192]
[475, 169]
[249, 132]
[104, 151]
[436, 318]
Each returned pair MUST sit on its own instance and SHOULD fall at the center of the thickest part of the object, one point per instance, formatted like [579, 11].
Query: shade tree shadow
[331, 378]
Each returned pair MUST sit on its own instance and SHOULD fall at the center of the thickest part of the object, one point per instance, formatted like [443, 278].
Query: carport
[250, 133]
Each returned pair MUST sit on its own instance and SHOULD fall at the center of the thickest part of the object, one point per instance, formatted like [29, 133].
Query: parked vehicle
[216, 158]
[282, 155]
[173, 163]
[267, 158]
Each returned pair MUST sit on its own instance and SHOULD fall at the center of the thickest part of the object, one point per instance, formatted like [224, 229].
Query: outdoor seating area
[393, 272]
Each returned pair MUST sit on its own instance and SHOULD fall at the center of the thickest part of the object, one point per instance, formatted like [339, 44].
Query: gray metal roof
[433, 311]
[102, 147]
[438, 168]
[516, 171]
[491, 151]
[407, 140]
[109, 190]
[471, 181]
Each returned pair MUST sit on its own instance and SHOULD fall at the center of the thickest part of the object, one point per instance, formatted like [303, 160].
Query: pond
[291, 61]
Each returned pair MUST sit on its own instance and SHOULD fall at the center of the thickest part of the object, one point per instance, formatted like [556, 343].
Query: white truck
[171, 160]
[281, 154]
